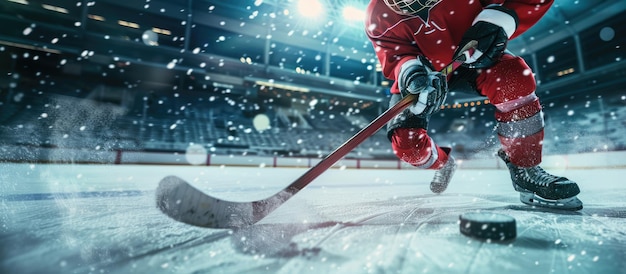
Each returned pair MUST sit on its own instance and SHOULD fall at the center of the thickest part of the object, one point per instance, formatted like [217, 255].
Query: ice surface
[102, 219]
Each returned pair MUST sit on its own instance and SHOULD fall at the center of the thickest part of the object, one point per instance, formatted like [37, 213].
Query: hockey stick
[182, 202]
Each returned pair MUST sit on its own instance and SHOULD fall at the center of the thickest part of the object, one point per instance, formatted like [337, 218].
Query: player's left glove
[492, 28]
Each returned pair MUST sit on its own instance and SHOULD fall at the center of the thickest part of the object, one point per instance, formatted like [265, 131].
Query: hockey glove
[492, 28]
[418, 77]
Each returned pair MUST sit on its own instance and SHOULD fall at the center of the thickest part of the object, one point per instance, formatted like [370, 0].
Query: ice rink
[103, 219]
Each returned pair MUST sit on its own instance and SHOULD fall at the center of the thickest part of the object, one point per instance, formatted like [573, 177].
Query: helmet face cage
[410, 7]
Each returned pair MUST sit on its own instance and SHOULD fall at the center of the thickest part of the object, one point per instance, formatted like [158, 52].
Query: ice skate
[443, 176]
[540, 188]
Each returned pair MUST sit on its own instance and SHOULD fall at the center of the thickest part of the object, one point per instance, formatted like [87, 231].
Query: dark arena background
[99, 100]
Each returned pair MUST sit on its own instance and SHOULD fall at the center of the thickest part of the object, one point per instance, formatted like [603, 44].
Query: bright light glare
[310, 8]
[23, 2]
[353, 14]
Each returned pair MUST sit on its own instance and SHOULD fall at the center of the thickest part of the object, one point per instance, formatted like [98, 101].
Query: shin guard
[521, 133]
[414, 146]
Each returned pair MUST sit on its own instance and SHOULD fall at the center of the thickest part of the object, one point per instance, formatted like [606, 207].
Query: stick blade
[182, 202]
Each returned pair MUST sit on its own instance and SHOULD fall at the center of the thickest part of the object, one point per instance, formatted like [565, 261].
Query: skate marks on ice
[277, 239]
[397, 235]
[421, 233]
[90, 235]
[404, 235]
[323, 230]
[416, 234]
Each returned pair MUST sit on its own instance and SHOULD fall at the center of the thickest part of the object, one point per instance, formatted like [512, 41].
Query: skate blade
[572, 203]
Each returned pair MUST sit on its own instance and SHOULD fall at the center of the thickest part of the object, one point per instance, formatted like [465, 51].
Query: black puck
[488, 226]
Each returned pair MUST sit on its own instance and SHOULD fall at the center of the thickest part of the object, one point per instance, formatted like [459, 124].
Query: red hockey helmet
[410, 7]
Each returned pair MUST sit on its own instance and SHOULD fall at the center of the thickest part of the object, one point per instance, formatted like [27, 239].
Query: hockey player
[414, 39]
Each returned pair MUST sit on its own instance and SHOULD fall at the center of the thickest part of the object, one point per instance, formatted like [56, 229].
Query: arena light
[565, 72]
[23, 2]
[96, 17]
[310, 8]
[128, 24]
[353, 14]
[161, 31]
[54, 8]
[272, 84]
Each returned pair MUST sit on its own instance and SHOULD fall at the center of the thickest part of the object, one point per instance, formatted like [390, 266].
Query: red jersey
[436, 31]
